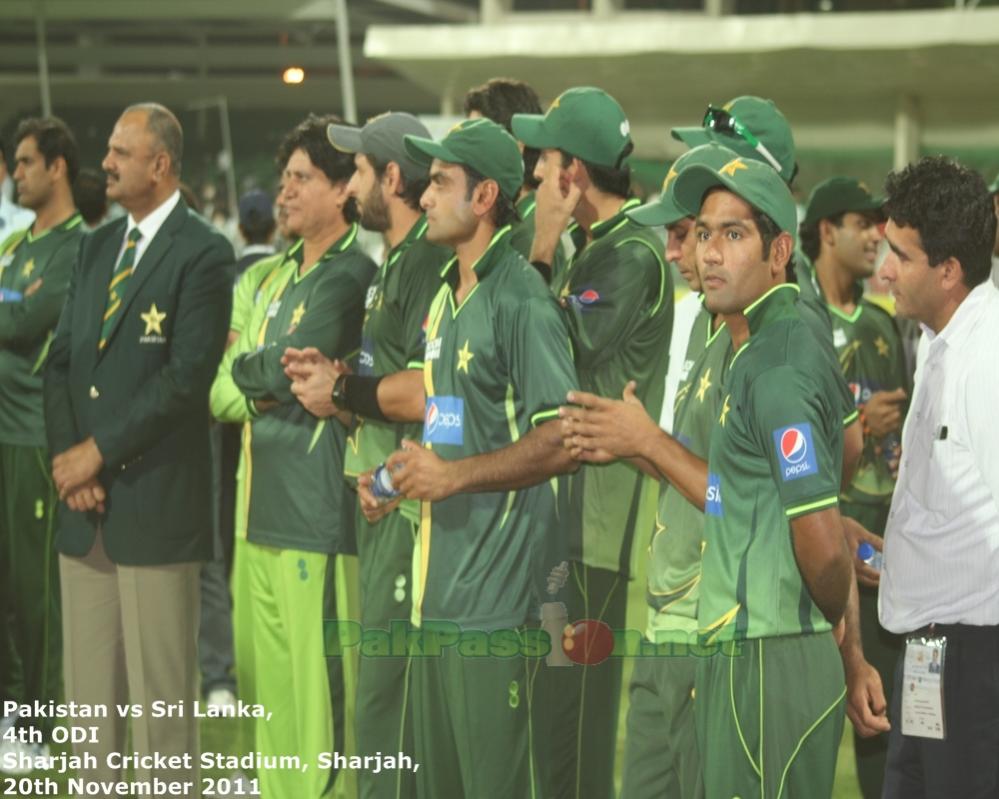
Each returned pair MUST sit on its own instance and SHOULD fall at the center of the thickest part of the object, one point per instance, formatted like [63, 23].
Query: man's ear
[781, 252]
[485, 196]
[826, 229]
[951, 273]
[161, 166]
[340, 194]
[58, 167]
[392, 179]
[577, 173]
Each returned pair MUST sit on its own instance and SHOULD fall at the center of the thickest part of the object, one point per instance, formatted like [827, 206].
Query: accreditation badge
[923, 687]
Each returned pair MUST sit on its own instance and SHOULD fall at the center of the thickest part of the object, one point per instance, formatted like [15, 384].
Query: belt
[968, 632]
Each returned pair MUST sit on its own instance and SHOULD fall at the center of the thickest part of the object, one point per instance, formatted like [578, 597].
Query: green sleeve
[604, 312]
[332, 324]
[228, 403]
[541, 375]
[419, 284]
[60, 420]
[246, 288]
[28, 320]
[798, 430]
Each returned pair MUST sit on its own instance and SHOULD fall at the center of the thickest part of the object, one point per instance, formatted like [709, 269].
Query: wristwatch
[339, 395]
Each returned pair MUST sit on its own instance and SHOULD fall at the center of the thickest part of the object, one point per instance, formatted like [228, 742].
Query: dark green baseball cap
[761, 119]
[479, 144]
[664, 210]
[585, 121]
[755, 182]
[839, 195]
[381, 138]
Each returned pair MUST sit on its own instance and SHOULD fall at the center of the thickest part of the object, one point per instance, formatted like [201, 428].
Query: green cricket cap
[664, 210]
[839, 195]
[585, 122]
[382, 139]
[479, 144]
[766, 122]
[754, 181]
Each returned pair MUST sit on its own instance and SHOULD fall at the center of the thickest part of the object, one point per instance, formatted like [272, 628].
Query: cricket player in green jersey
[35, 268]
[756, 128]
[250, 300]
[298, 507]
[661, 744]
[387, 185]
[499, 99]
[757, 733]
[489, 524]
[617, 295]
[776, 570]
[840, 235]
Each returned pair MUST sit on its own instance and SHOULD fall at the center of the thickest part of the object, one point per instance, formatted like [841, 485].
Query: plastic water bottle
[381, 484]
[9, 295]
[869, 555]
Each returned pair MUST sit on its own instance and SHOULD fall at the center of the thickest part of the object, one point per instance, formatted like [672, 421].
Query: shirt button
[94, 393]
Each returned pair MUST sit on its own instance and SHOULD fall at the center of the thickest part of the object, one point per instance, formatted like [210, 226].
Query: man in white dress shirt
[941, 558]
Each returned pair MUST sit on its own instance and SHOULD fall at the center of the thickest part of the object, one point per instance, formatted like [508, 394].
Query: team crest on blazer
[153, 318]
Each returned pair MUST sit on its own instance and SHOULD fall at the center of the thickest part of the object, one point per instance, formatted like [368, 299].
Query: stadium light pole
[222, 103]
[43, 59]
[346, 64]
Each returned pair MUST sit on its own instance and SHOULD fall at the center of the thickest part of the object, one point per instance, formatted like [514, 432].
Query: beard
[375, 212]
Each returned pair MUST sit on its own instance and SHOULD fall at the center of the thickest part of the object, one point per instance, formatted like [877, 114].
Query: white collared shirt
[941, 558]
[684, 314]
[149, 227]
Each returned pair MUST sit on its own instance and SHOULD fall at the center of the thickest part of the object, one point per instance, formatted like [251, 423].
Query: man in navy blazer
[126, 408]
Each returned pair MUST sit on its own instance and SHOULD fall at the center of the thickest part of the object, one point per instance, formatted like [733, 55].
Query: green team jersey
[27, 323]
[522, 234]
[775, 454]
[617, 295]
[392, 339]
[674, 571]
[250, 300]
[495, 367]
[871, 356]
[294, 462]
[249, 287]
[815, 314]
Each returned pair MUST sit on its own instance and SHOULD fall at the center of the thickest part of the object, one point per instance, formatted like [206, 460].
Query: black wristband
[360, 395]
[545, 270]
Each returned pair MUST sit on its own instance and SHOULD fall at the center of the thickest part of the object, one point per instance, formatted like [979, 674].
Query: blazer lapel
[153, 254]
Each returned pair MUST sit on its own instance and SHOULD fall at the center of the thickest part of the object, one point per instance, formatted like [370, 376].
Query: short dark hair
[90, 195]
[54, 140]
[503, 211]
[412, 188]
[499, 99]
[608, 179]
[950, 207]
[164, 125]
[310, 136]
[808, 235]
[769, 231]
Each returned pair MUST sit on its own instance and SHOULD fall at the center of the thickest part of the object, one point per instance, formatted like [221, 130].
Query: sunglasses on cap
[718, 119]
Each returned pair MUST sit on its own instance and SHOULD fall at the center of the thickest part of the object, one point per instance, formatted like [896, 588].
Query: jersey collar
[416, 232]
[600, 229]
[771, 306]
[525, 205]
[75, 220]
[485, 262]
[297, 251]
